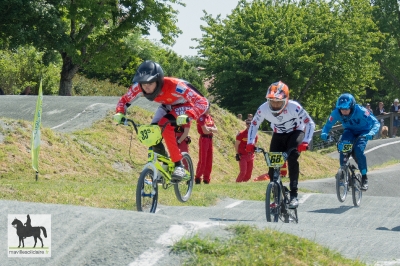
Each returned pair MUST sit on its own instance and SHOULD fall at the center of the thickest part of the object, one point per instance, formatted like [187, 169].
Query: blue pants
[358, 149]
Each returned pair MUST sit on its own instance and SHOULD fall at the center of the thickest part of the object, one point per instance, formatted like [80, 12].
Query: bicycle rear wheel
[342, 183]
[356, 190]
[273, 202]
[146, 192]
[183, 189]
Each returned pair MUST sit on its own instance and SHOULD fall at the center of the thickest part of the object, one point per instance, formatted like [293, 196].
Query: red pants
[246, 167]
[170, 140]
[204, 165]
[183, 146]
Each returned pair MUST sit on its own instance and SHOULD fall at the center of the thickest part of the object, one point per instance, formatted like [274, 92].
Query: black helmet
[149, 72]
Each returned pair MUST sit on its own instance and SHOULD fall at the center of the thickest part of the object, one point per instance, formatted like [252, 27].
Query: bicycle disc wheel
[146, 192]
[183, 189]
[273, 202]
[342, 184]
[356, 190]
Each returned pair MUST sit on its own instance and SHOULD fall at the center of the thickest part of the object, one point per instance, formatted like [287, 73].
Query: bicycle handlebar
[284, 154]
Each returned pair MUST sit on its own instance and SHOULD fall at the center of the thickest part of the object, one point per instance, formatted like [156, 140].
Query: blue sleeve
[374, 123]
[333, 117]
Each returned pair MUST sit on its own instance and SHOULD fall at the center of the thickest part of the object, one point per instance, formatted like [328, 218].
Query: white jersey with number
[293, 117]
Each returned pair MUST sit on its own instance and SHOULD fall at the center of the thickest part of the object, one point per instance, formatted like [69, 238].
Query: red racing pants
[246, 167]
[204, 166]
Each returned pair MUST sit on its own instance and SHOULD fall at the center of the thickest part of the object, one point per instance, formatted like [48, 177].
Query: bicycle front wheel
[342, 183]
[183, 189]
[273, 202]
[356, 190]
[146, 192]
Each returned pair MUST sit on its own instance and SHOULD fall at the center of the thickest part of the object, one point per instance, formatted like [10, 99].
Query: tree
[387, 17]
[83, 31]
[320, 49]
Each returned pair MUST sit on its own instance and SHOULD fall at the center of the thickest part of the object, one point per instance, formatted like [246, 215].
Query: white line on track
[76, 116]
[304, 198]
[234, 204]
[380, 146]
[153, 255]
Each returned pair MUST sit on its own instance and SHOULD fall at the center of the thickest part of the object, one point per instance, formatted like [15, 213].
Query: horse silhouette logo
[24, 231]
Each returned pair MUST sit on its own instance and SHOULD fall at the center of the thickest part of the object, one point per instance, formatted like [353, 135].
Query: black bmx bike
[348, 177]
[277, 195]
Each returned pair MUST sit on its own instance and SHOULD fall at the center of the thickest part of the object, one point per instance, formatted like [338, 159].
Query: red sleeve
[133, 92]
[200, 103]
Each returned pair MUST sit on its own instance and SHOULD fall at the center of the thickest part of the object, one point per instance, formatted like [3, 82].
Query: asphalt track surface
[93, 236]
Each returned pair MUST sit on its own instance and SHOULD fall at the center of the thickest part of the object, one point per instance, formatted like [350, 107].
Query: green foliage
[92, 87]
[320, 49]
[23, 67]
[84, 31]
[139, 49]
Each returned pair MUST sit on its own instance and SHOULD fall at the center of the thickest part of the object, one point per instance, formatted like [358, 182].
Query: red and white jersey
[293, 117]
[174, 92]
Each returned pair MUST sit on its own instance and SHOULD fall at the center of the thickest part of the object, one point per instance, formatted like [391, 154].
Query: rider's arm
[375, 124]
[255, 124]
[200, 103]
[134, 91]
[309, 127]
[333, 117]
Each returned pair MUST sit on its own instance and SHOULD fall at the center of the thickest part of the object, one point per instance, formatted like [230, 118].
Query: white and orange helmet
[278, 92]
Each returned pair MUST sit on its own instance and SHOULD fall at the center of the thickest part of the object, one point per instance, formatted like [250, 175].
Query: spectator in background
[206, 129]
[1, 91]
[240, 116]
[396, 123]
[250, 117]
[368, 106]
[245, 159]
[26, 91]
[380, 111]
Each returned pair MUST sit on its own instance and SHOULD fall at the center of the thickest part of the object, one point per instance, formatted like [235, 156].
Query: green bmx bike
[158, 170]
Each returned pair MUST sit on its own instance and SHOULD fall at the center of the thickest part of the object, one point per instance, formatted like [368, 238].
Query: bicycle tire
[291, 216]
[342, 183]
[356, 190]
[273, 202]
[183, 189]
[146, 192]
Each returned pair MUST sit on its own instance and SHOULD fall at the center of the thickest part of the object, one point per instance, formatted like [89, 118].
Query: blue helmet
[346, 101]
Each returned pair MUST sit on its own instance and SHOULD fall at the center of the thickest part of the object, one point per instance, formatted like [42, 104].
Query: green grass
[249, 245]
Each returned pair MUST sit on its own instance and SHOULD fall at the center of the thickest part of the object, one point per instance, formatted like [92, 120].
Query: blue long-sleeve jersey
[361, 121]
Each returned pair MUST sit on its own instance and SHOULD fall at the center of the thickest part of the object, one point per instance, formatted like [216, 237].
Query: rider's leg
[358, 149]
[175, 154]
[348, 137]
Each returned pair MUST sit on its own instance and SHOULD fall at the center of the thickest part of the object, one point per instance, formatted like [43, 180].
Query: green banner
[36, 130]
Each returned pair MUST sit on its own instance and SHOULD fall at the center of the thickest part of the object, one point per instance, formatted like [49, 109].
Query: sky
[189, 22]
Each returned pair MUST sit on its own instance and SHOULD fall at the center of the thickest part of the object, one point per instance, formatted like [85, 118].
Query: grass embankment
[97, 167]
[251, 246]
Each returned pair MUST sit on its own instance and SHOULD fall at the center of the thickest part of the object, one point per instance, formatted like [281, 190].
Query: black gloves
[237, 157]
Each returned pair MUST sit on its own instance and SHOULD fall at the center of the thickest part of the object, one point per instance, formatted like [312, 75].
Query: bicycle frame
[153, 171]
[277, 189]
[347, 177]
